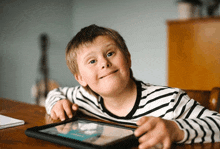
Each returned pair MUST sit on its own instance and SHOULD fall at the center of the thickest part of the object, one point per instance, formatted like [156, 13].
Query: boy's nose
[105, 66]
[105, 63]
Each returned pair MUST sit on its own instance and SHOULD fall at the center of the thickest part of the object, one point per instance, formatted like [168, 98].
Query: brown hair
[87, 35]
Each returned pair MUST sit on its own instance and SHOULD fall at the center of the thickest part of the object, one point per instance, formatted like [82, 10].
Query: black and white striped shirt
[199, 124]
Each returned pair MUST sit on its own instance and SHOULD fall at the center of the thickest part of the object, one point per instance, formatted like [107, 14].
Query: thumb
[166, 144]
[141, 120]
[75, 107]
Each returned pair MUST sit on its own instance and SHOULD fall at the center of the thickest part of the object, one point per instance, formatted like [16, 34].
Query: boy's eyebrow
[87, 55]
[104, 46]
[110, 44]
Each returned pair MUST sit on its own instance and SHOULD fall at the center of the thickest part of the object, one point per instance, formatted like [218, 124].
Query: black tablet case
[125, 143]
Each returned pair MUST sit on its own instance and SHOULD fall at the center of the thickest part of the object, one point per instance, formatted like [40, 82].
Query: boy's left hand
[154, 130]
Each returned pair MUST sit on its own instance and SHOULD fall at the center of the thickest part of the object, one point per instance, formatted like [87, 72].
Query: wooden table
[34, 115]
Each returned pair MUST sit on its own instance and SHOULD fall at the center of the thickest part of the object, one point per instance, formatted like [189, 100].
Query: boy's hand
[153, 130]
[62, 109]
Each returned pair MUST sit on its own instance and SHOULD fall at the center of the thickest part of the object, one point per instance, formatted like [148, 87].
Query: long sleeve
[199, 124]
[58, 94]
[87, 103]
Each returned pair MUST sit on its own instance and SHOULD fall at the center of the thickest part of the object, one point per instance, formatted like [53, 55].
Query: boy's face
[103, 67]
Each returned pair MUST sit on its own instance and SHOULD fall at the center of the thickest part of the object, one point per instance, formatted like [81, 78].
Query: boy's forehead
[103, 41]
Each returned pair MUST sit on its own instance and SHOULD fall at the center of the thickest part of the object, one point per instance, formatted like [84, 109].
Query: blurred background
[142, 23]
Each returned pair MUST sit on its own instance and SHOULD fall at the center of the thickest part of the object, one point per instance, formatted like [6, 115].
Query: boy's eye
[109, 54]
[92, 61]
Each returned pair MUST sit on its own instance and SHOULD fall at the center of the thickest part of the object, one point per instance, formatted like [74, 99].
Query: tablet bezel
[125, 142]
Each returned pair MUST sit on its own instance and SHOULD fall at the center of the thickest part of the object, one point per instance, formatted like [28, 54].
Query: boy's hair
[88, 35]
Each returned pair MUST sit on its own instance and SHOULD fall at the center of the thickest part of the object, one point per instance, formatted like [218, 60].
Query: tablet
[82, 133]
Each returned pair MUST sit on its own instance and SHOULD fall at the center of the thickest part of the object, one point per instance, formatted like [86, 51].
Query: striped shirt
[199, 124]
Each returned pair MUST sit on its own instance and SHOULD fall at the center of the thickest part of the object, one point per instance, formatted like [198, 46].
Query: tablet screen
[90, 132]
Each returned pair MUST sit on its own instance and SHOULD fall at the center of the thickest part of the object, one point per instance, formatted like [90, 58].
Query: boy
[100, 61]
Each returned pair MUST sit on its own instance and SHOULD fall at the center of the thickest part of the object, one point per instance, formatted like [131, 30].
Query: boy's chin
[111, 88]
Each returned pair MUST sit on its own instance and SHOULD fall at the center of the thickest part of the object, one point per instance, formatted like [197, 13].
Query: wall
[21, 24]
[142, 23]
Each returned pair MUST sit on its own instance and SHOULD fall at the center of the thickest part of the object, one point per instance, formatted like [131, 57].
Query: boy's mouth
[108, 74]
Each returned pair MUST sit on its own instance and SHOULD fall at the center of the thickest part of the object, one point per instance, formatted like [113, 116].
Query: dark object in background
[213, 7]
[43, 66]
[194, 2]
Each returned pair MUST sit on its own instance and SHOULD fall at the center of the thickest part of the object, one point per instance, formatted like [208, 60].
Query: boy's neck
[122, 103]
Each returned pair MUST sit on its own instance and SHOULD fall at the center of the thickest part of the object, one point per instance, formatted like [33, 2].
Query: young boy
[100, 61]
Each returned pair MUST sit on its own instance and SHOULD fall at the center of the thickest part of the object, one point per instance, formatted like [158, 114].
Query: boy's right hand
[62, 109]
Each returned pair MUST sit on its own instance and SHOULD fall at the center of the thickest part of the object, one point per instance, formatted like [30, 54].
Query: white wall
[142, 23]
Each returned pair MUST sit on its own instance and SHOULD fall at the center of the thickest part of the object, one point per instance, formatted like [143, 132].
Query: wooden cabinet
[194, 53]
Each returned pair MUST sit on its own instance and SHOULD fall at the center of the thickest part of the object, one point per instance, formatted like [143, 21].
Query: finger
[75, 107]
[144, 128]
[151, 142]
[151, 135]
[67, 109]
[144, 137]
[167, 144]
[60, 113]
[142, 120]
[138, 132]
[53, 115]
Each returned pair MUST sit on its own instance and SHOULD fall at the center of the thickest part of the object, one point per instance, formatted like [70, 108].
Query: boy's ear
[129, 60]
[79, 79]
